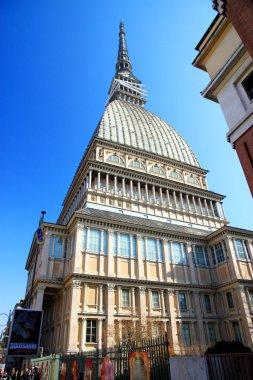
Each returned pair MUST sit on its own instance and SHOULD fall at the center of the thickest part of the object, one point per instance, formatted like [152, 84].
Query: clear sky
[57, 61]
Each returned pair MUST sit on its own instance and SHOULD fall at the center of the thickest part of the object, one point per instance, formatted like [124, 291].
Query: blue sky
[58, 59]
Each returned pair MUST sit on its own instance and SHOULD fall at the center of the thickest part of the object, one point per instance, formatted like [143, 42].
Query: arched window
[115, 158]
[192, 180]
[175, 175]
[157, 170]
[137, 164]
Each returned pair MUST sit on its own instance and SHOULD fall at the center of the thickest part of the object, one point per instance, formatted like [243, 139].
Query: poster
[25, 331]
[63, 370]
[74, 370]
[88, 370]
[139, 366]
[107, 371]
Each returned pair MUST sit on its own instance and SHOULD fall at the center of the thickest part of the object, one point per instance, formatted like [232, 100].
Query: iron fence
[230, 366]
[73, 365]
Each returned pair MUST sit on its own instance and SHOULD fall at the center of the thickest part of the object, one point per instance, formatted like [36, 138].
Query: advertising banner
[25, 332]
[107, 371]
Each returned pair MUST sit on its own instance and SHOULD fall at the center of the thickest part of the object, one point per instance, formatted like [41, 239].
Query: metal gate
[72, 367]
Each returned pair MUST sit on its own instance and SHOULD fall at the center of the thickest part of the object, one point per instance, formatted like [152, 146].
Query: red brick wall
[244, 149]
[240, 13]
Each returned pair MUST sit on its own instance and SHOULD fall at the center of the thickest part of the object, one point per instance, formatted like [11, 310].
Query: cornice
[230, 231]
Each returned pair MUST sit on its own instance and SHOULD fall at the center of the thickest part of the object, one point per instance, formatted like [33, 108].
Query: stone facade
[141, 245]
[225, 53]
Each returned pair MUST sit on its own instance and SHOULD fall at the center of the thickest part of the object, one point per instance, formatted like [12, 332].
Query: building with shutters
[141, 245]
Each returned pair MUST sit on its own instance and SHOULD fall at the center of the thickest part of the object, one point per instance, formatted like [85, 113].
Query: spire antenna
[125, 85]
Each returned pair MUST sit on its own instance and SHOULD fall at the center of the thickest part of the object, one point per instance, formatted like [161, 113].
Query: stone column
[131, 189]
[146, 191]
[123, 187]
[73, 325]
[90, 178]
[118, 299]
[110, 260]
[188, 203]
[161, 195]
[154, 196]
[162, 302]
[85, 290]
[181, 200]
[107, 183]
[142, 302]
[110, 315]
[115, 185]
[173, 323]
[133, 300]
[39, 297]
[139, 190]
[194, 204]
[168, 197]
[149, 302]
[78, 259]
[99, 334]
[100, 306]
[175, 199]
[200, 206]
[99, 180]
[83, 334]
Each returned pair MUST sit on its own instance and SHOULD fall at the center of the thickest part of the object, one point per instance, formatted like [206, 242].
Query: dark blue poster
[25, 331]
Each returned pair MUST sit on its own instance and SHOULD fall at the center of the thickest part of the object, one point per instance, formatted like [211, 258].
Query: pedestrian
[36, 375]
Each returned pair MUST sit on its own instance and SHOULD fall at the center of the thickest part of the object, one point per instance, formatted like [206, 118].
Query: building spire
[123, 62]
[125, 85]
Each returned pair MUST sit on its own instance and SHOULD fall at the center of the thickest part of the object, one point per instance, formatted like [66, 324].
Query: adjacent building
[141, 245]
[225, 52]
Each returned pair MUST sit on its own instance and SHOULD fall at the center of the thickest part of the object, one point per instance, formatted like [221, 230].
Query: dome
[131, 125]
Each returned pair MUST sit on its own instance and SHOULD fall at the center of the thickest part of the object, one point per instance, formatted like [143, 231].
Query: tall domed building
[141, 245]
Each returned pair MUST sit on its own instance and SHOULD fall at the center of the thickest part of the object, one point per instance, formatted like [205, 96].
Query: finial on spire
[125, 85]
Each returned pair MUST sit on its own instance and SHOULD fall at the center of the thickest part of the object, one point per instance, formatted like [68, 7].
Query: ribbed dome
[127, 124]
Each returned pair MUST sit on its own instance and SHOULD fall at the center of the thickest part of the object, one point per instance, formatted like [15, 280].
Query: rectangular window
[155, 300]
[213, 256]
[247, 84]
[240, 249]
[94, 240]
[97, 241]
[125, 298]
[207, 303]
[230, 300]
[84, 241]
[124, 245]
[91, 331]
[182, 301]
[133, 240]
[219, 252]
[151, 249]
[200, 256]
[186, 335]
[251, 297]
[56, 247]
[212, 333]
[237, 332]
